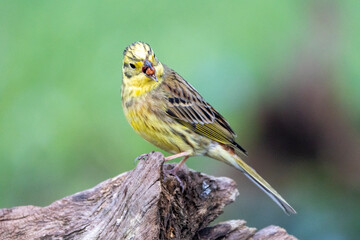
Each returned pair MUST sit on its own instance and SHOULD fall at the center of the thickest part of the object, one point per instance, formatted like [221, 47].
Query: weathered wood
[139, 204]
[236, 229]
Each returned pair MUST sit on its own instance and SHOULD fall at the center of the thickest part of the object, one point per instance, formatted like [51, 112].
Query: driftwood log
[139, 204]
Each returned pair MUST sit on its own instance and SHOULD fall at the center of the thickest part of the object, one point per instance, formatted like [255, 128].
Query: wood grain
[143, 203]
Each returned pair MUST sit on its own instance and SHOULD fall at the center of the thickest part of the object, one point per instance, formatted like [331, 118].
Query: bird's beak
[149, 70]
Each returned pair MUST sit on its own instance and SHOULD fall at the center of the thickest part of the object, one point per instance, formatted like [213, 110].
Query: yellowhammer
[169, 113]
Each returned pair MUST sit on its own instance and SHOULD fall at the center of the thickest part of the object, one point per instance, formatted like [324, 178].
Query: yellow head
[142, 71]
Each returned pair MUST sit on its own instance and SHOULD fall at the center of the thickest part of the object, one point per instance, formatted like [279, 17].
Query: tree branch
[139, 204]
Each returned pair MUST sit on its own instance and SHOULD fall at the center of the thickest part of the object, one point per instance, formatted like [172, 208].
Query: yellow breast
[148, 118]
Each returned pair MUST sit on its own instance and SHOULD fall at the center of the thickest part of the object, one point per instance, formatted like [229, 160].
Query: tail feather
[227, 155]
[263, 185]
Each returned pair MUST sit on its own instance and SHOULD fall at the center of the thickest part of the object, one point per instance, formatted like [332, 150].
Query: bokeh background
[284, 73]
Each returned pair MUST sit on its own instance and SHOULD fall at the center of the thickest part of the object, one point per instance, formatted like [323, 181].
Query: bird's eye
[132, 65]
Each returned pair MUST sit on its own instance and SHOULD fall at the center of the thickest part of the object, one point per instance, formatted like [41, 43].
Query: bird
[168, 112]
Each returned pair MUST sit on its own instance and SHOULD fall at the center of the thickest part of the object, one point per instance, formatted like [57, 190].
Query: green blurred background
[285, 74]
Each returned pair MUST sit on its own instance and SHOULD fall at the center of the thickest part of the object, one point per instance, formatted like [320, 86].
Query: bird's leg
[175, 169]
[182, 154]
[178, 166]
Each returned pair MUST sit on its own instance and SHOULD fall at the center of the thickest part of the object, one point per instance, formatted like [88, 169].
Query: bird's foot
[173, 172]
[142, 157]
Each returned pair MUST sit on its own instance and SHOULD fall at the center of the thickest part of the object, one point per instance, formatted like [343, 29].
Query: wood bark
[143, 203]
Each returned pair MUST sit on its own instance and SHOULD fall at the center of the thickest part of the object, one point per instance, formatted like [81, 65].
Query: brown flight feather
[189, 108]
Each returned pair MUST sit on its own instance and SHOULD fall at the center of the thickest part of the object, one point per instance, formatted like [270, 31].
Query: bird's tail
[237, 162]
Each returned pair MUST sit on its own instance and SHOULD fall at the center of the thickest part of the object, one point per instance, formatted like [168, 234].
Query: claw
[173, 172]
[141, 157]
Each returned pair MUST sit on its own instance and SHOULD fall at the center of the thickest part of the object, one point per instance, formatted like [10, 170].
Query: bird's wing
[189, 108]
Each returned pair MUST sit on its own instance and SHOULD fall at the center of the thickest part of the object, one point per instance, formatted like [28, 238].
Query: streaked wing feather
[187, 106]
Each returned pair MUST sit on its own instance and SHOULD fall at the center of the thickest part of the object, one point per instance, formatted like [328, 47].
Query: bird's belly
[159, 129]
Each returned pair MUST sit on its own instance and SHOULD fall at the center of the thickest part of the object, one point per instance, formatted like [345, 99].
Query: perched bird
[169, 113]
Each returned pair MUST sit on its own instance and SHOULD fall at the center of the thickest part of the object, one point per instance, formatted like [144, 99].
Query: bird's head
[140, 66]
